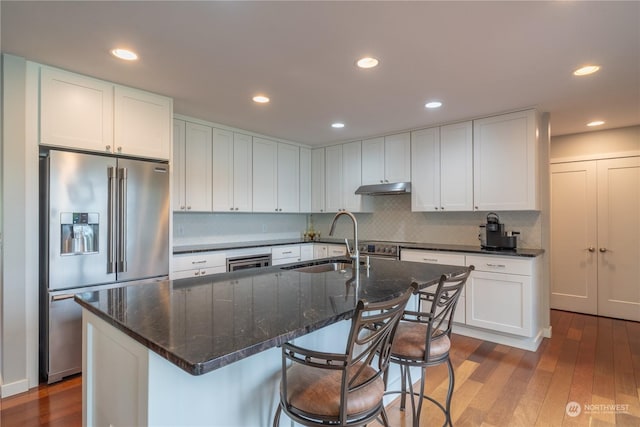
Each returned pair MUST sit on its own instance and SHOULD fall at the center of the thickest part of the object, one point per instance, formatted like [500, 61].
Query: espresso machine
[493, 236]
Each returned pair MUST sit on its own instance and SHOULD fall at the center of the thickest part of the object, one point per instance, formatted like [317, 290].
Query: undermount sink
[323, 268]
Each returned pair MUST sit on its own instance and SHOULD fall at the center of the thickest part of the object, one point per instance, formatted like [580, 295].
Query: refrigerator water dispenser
[80, 233]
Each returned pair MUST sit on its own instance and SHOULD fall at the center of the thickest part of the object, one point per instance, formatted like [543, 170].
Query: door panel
[573, 232]
[147, 219]
[619, 238]
[78, 183]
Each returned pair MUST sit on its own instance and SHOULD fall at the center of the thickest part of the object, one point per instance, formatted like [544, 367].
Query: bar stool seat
[409, 342]
[315, 391]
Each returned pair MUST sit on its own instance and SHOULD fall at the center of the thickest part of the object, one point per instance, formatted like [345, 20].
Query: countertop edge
[443, 247]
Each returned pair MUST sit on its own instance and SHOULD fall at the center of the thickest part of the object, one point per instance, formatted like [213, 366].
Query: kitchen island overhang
[222, 332]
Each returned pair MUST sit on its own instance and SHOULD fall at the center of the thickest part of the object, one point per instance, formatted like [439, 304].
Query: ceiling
[478, 58]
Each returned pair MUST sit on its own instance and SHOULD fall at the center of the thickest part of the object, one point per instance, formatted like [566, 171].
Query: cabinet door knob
[236, 208]
[441, 208]
[591, 249]
[188, 207]
[436, 208]
[603, 250]
[107, 148]
[119, 149]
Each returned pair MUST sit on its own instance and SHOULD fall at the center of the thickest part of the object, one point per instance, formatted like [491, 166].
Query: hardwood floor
[593, 361]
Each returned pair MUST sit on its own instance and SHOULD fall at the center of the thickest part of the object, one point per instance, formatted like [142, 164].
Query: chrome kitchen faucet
[353, 254]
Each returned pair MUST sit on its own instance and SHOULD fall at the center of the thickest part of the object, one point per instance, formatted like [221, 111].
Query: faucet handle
[349, 251]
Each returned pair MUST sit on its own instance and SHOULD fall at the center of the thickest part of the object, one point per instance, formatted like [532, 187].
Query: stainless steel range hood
[385, 189]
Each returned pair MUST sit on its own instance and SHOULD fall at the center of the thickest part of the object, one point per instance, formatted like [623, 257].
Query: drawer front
[336, 250]
[291, 251]
[198, 261]
[281, 261]
[431, 257]
[506, 265]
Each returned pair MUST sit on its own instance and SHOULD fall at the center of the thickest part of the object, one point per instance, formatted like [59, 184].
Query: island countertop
[202, 324]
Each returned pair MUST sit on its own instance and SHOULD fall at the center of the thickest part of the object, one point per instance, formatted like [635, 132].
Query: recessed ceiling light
[337, 125]
[596, 123]
[586, 70]
[367, 62]
[260, 99]
[125, 54]
[433, 104]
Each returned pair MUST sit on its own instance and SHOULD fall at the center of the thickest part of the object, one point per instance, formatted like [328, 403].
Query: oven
[251, 261]
[388, 250]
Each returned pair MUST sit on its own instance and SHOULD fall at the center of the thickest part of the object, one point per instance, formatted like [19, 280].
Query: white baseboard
[16, 387]
[525, 343]
[546, 332]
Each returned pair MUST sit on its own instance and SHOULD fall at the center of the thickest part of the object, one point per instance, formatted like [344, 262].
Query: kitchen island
[205, 351]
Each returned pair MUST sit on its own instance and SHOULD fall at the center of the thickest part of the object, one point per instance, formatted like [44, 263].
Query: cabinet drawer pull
[430, 259]
[496, 265]
[199, 262]
[286, 252]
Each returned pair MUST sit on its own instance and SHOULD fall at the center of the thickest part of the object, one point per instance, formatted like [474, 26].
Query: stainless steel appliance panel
[143, 223]
[64, 337]
[77, 184]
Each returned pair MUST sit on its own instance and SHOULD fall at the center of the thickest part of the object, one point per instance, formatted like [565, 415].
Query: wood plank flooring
[591, 360]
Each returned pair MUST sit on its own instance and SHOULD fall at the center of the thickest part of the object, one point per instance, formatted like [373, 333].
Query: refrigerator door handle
[122, 250]
[111, 221]
[61, 297]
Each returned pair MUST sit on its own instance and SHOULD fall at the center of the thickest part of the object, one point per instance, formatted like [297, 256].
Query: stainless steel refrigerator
[104, 220]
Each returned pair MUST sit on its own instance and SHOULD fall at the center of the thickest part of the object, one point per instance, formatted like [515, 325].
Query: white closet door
[619, 238]
[574, 255]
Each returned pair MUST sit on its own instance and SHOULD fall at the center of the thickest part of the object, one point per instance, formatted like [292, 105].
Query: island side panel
[114, 383]
[127, 384]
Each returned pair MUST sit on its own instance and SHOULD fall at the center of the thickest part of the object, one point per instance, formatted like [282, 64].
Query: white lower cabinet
[306, 252]
[433, 257]
[320, 251]
[285, 254]
[500, 295]
[195, 265]
[336, 250]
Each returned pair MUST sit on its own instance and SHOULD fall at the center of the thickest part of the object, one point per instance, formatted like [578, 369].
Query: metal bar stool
[423, 339]
[336, 389]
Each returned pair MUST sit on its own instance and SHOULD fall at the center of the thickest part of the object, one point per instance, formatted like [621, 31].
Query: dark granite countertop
[201, 324]
[520, 252]
[204, 247]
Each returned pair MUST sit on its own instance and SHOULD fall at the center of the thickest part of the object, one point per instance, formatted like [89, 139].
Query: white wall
[19, 297]
[602, 144]
[196, 228]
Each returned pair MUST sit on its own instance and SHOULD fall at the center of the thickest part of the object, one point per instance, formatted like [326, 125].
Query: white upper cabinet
[178, 165]
[276, 176]
[386, 159]
[142, 123]
[456, 167]
[442, 168]
[343, 176]
[505, 162]
[333, 179]
[265, 175]
[198, 177]
[397, 157]
[80, 112]
[75, 111]
[425, 170]
[242, 172]
[305, 180]
[222, 170]
[232, 171]
[288, 178]
[318, 180]
[373, 161]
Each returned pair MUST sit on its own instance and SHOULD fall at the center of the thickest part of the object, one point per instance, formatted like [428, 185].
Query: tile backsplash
[391, 220]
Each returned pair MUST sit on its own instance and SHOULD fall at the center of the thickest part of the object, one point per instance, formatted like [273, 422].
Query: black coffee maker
[494, 236]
